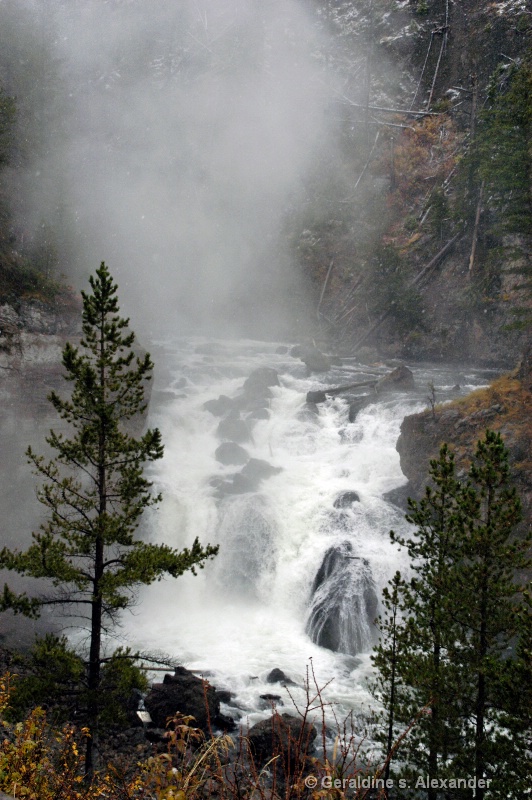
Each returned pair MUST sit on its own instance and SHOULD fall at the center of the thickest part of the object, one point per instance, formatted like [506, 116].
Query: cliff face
[416, 191]
[505, 406]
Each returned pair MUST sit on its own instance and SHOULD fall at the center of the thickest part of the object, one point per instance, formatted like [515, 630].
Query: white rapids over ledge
[246, 612]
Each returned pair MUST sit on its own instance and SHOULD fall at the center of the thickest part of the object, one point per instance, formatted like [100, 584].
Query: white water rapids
[246, 612]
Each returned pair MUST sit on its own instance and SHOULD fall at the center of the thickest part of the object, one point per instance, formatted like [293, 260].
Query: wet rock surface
[185, 693]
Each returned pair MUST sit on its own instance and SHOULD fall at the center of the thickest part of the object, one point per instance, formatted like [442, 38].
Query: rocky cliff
[423, 261]
[505, 406]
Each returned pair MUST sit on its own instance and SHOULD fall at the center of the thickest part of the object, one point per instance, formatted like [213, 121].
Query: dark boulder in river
[231, 453]
[314, 359]
[260, 380]
[285, 734]
[344, 602]
[185, 693]
[220, 406]
[346, 500]
[234, 428]
[257, 470]
[401, 379]
[278, 676]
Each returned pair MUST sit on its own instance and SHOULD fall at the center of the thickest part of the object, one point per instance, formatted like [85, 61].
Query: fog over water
[183, 135]
[173, 139]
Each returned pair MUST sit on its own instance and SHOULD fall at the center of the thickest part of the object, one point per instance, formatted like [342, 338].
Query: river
[259, 604]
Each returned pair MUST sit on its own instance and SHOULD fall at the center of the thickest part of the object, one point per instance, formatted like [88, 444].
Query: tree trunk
[91, 751]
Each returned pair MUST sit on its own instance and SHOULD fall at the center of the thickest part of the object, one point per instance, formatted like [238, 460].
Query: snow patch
[510, 7]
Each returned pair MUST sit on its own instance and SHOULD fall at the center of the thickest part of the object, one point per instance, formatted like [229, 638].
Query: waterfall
[298, 506]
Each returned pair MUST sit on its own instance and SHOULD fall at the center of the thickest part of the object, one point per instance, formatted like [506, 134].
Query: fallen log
[320, 396]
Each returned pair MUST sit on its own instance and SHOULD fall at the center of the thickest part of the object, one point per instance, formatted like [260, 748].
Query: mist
[181, 140]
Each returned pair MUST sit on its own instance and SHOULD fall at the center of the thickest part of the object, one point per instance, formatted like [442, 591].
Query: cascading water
[298, 508]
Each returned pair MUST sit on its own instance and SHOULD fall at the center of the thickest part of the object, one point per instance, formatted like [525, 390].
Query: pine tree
[493, 624]
[502, 156]
[456, 637]
[426, 633]
[95, 492]
[504, 144]
[388, 657]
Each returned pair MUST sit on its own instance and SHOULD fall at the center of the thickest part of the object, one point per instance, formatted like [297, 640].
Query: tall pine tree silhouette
[95, 491]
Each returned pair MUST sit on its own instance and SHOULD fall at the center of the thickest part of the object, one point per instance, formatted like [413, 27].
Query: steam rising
[186, 132]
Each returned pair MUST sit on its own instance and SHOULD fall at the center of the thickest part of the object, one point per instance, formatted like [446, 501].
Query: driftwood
[408, 112]
[331, 265]
[321, 395]
[436, 260]
[475, 229]
[368, 162]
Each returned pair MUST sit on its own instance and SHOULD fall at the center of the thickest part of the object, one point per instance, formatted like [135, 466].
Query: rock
[260, 380]
[231, 453]
[185, 693]
[234, 429]
[224, 695]
[283, 735]
[257, 470]
[260, 413]
[256, 391]
[399, 497]
[316, 397]
[344, 602]
[219, 407]
[238, 485]
[346, 500]
[357, 405]
[281, 350]
[401, 379]
[278, 676]
[272, 698]
[315, 360]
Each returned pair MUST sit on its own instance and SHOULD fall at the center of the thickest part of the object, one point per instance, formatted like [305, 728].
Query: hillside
[421, 261]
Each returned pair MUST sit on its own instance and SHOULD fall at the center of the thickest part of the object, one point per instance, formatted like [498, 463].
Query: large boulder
[256, 391]
[277, 675]
[231, 453]
[317, 396]
[401, 379]
[356, 404]
[314, 359]
[257, 470]
[234, 429]
[260, 380]
[238, 484]
[281, 735]
[346, 500]
[222, 405]
[185, 693]
[344, 602]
